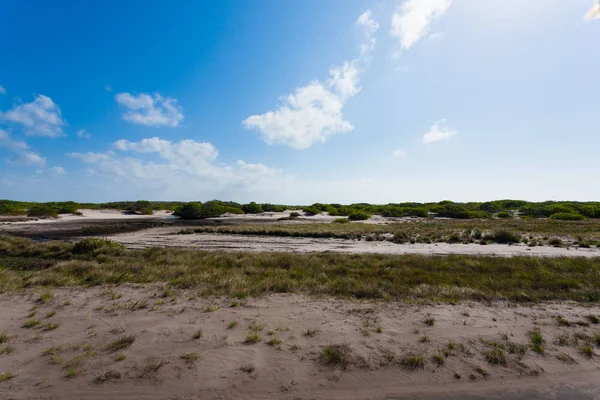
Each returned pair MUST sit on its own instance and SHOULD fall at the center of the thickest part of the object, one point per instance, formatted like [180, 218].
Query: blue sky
[299, 102]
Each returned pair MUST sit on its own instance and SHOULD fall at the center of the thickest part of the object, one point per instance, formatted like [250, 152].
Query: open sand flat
[169, 237]
[148, 342]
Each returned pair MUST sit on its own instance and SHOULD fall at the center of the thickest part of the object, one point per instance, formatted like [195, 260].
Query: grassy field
[531, 231]
[24, 263]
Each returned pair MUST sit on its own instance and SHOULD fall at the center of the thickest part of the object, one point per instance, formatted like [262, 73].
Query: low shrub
[567, 216]
[89, 245]
[503, 236]
[341, 221]
[504, 214]
[358, 216]
[42, 211]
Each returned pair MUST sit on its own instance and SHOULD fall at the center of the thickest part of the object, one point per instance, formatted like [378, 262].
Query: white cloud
[82, 133]
[151, 110]
[313, 113]
[594, 12]
[2, 90]
[370, 26]
[42, 117]
[184, 164]
[52, 171]
[344, 79]
[438, 131]
[108, 88]
[21, 151]
[412, 19]
[398, 153]
[437, 35]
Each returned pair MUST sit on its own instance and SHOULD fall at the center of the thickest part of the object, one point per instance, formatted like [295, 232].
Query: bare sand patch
[149, 342]
[168, 237]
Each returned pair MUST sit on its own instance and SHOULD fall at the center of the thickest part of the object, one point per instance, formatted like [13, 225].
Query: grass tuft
[4, 337]
[247, 368]
[536, 340]
[110, 375]
[232, 324]
[121, 343]
[429, 321]
[198, 334]
[252, 338]
[412, 361]
[190, 358]
[310, 332]
[336, 354]
[4, 376]
[32, 323]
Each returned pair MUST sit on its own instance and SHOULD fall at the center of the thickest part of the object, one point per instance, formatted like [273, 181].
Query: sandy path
[164, 323]
[168, 237]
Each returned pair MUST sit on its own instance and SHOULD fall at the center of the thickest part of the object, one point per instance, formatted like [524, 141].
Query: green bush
[358, 216]
[504, 214]
[68, 207]
[189, 211]
[89, 245]
[311, 211]
[567, 216]
[252, 208]
[42, 211]
[503, 236]
[294, 214]
[341, 221]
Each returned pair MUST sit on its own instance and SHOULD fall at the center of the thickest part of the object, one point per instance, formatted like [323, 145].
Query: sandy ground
[161, 229]
[168, 237]
[90, 215]
[70, 362]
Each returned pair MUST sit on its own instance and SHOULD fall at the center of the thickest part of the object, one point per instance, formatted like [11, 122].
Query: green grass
[371, 276]
[587, 350]
[50, 314]
[481, 371]
[4, 376]
[495, 356]
[336, 354]
[32, 323]
[252, 338]
[6, 350]
[121, 343]
[50, 326]
[4, 337]
[536, 341]
[274, 341]
[412, 361]
[232, 324]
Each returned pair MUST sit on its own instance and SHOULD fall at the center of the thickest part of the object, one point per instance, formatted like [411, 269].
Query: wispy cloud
[108, 88]
[594, 12]
[398, 153]
[167, 163]
[151, 110]
[313, 113]
[51, 171]
[412, 19]
[41, 117]
[82, 133]
[370, 27]
[2, 90]
[22, 154]
[438, 132]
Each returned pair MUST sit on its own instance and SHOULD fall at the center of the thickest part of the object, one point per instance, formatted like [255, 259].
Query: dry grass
[420, 277]
[247, 368]
[110, 375]
[337, 355]
[190, 358]
[121, 343]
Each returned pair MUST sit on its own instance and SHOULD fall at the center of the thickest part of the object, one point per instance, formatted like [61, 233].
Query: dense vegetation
[24, 263]
[563, 210]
